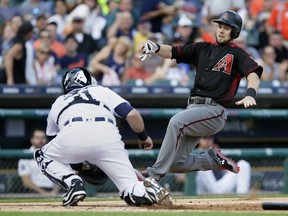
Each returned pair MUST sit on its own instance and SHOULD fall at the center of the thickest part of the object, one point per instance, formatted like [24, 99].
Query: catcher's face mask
[77, 78]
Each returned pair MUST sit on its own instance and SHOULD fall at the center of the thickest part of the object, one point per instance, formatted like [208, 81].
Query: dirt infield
[211, 204]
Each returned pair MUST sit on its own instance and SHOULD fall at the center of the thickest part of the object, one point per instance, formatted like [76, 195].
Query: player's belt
[202, 100]
[96, 119]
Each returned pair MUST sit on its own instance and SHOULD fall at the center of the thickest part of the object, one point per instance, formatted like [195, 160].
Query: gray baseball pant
[182, 136]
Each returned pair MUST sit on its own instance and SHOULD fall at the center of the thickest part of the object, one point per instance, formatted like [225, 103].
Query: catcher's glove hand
[149, 48]
[90, 173]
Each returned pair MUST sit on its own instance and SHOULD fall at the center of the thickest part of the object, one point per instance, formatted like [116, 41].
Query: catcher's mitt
[90, 173]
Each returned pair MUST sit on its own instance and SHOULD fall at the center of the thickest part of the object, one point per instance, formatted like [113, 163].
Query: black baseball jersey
[219, 68]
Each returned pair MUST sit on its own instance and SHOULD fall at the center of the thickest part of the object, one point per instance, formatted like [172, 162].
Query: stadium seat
[133, 82]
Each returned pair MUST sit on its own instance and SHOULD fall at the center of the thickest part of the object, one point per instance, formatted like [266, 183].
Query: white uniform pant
[97, 142]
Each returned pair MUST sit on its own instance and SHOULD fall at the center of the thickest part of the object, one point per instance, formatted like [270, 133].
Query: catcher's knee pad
[41, 160]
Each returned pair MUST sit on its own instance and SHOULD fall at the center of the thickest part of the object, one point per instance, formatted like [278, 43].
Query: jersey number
[80, 96]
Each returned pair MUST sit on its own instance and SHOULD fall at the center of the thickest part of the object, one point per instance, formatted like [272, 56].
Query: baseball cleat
[223, 162]
[162, 195]
[75, 194]
[141, 175]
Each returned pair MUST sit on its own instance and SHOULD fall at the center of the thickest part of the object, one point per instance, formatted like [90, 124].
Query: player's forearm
[165, 51]
[253, 81]
[252, 88]
[135, 121]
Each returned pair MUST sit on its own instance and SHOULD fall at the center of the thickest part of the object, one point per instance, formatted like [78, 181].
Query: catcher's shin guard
[57, 172]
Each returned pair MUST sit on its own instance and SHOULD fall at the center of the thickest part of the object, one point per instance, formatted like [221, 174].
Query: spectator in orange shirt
[51, 37]
[255, 7]
[279, 19]
[136, 71]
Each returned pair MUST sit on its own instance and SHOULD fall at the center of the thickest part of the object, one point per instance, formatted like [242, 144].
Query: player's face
[223, 33]
[39, 139]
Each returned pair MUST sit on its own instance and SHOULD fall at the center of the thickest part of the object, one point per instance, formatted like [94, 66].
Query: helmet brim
[225, 22]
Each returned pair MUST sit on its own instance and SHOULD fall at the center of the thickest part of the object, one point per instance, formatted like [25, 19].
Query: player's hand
[148, 48]
[146, 144]
[247, 101]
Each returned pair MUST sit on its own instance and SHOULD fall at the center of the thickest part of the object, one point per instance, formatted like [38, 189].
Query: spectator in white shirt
[222, 182]
[30, 174]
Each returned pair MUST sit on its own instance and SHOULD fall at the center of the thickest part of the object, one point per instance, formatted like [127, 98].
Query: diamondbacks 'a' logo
[225, 64]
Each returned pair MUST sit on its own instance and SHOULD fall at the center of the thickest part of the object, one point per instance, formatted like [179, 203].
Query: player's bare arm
[165, 51]
[252, 89]
[136, 123]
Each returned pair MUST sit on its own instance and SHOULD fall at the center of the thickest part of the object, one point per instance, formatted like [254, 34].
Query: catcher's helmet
[232, 19]
[77, 77]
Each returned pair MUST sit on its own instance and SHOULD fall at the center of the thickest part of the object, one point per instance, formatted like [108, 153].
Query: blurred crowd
[39, 40]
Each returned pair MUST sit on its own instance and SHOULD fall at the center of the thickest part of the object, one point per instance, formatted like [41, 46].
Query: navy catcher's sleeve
[123, 109]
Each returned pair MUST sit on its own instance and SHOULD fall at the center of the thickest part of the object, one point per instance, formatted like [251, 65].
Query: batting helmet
[232, 19]
[77, 77]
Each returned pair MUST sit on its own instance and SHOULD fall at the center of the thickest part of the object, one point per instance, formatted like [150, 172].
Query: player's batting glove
[143, 57]
[149, 48]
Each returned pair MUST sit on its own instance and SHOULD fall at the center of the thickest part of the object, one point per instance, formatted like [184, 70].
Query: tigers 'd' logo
[225, 64]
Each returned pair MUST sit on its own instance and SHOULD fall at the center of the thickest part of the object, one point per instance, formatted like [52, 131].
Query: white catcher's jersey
[88, 102]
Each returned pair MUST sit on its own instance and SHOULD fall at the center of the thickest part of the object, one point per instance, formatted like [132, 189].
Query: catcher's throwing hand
[146, 144]
[247, 101]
